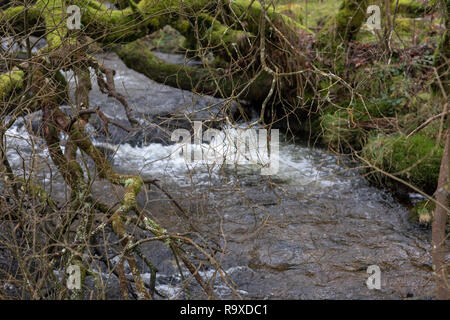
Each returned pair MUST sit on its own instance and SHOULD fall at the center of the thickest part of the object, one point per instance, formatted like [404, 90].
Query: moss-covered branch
[13, 19]
[137, 56]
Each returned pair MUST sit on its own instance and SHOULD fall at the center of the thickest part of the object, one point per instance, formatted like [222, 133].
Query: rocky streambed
[308, 232]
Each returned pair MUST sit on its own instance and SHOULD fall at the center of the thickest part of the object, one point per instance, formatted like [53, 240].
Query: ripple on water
[311, 237]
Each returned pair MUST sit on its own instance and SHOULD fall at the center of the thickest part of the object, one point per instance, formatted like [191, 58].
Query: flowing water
[309, 231]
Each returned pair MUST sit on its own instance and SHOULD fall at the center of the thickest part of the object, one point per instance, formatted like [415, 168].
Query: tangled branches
[69, 234]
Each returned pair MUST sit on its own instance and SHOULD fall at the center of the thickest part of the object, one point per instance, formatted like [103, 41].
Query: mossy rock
[167, 40]
[350, 124]
[416, 160]
[338, 130]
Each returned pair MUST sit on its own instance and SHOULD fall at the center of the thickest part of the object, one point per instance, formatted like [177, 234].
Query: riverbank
[373, 101]
[378, 125]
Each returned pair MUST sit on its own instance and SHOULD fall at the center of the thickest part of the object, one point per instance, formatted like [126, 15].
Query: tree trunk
[442, 86]
[439, 226]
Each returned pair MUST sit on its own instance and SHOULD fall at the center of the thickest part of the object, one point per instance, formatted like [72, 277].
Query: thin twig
[423, 125]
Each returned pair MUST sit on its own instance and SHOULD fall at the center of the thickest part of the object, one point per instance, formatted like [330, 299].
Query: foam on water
[21, 146]
[173, 285]
[296, 164]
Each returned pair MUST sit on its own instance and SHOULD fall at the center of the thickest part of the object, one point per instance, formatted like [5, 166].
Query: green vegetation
[411, 8]
[313, 13]
[137, 55]
[10, 82]
[416, 159]
[364, 92]
[422, 212]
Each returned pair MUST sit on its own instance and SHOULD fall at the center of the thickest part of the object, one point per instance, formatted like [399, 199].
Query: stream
[310, 231]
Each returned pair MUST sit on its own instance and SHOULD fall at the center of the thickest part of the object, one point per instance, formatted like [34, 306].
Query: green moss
[422, 212]
[409, 25]
[93, 4]
[292, 10]
[350, 123]
[315, 13]
[409, 8]
[182, 25]
[384, 106]
[251, 15]
[15, 17]
[339, 130]
[54, 15]
[113, 25]
[347, 22]
[137, 56]
[167, 40]
[416, 160]
[10, 82]
[365, 35]
[11, 13]
[217, 34]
